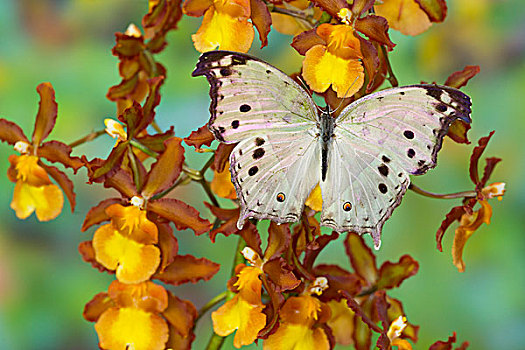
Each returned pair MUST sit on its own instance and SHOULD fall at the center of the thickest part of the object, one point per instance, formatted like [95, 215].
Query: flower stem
[391, 76]
[297, 14]
[181, 180]
[135, 169]
[89, 137]
[216, 341]
[214, 301]
[464, 194]
[143, 148]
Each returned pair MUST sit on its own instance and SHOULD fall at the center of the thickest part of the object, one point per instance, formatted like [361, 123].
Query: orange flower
[222, 185]
[225, 24]
[244, 312]
[133, 322]
[299, 319]
[34, 191]
[127, 245]
[336, 63]
[405, 16]
[315, 200]
[341, 322]
[292, 25]
[394, 333]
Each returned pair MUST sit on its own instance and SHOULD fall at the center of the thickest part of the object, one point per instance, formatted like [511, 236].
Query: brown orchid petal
[382, 72]
[453, 215]
[251, 236]
[278, 240]
[476, 154]
[381, 306]
[458, 131]
[132, 117]
[306, 40]
[47, 113]
[391, 275]
[156, 142]
[361, 257]
[111, 165]
[201, 136]
[181, 315]
[124, 89]
[97, 214]
[11, 133]
[162, 18]
[229, 216]
[314, 248]
[394, 311]
[338, 279]
[370, 60]
[127, 45]
[261, 19]
[187, 268]
[168, 245]
[88, 255]
[178, 342]
[196, 8]
[461, 78]
[56, 151]
[96, 306]
[122, 182]
[222, 156]
[64, 182]
[444, 345]
[487, 171]
[181, 214]
[152, 101]
[436, 10]
[360, 311]
[360, 6]
[375, 28]
[331, 6]
[166, 170]
[281, 274]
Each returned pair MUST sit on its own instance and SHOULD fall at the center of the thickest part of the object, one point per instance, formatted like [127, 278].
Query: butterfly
[287, 145]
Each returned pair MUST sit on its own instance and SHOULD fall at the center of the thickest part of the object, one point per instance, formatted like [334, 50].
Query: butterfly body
[362, 159]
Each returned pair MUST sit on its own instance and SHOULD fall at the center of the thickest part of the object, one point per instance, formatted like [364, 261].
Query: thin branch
[183, 179]
[464, 194]
[297, 14]
[391, 76]
[143, 148]
[210, 304]
[135, 169]
[89, 137]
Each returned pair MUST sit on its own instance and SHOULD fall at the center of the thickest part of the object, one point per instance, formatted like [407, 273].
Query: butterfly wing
[378, 141]
[276, 163]
[250, 97]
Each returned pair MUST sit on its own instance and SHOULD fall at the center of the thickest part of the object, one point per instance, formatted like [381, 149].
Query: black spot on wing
[382, 188]
[385, 159]
[253, 170]
[235, 124]
[245, 108]
[411, 153]
[259, 141]
[408, 134]
[383, 170]
[258, 153]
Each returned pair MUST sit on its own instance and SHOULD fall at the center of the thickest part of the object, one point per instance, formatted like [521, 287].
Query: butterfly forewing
[378, 141]
[250, 97]
[276, 164]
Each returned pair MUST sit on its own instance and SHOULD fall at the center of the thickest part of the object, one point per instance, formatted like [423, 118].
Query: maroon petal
[11, 133]
[222, 156]
[460, 78]
[338, 279]
[476, 154]
[96, 306]
[110, 166]
[391, 275]
[453, 215]
[375, 28]
[152, 101]
[63, 181]
[281, 274]
[306, 40]
[362, 259]
[200, 137]
[187, 268]
[56, 151]
[261, 19]
[122, 182]
[436, 10]
[156, 142]
[181, 214]
[97, 214]
[278, 240]
[166, 170]
[47, 113]
[489, 168]
[331, 6]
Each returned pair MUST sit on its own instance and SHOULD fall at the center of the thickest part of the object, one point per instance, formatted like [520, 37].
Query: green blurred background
[44, 283]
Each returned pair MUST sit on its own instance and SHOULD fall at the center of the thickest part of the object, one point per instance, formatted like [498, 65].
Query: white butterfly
[361, 160]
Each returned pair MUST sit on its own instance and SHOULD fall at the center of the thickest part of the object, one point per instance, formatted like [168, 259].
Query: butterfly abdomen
[326, 134]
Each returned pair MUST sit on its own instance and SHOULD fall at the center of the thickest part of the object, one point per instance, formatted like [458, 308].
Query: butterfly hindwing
[251, 97]
[378, 141]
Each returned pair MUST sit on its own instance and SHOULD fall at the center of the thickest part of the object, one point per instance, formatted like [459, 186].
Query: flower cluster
[282, 295]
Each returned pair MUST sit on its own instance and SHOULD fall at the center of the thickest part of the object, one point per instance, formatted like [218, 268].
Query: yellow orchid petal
[133, 262]
[219, 29]
[315, 200]
[404, 15]
[238, 314]
[322, 69]
[132, 221]
[341, 322]
[46, 200]
[222, 185]
[297, 337]
[130, 328]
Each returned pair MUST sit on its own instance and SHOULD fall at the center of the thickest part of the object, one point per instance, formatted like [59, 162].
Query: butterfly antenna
[344, 96]
[307, 88]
